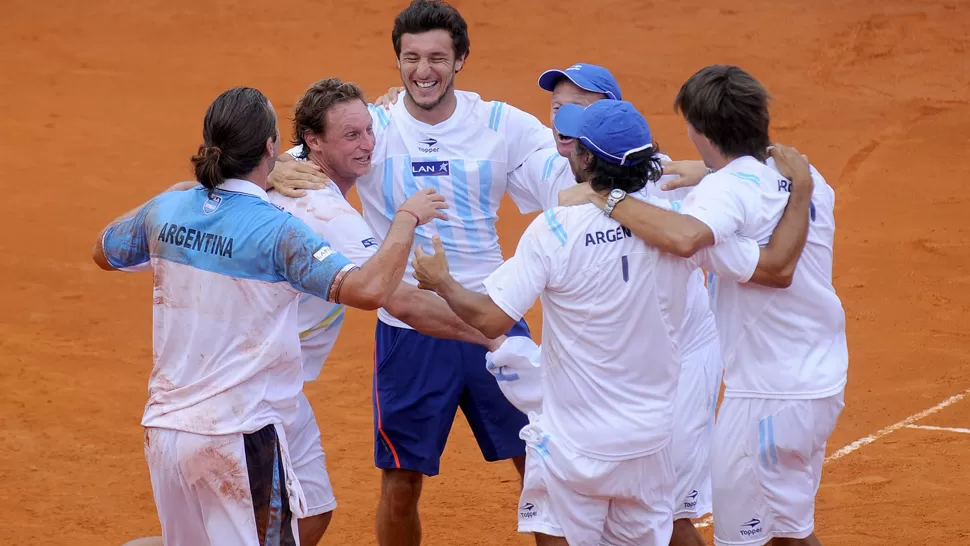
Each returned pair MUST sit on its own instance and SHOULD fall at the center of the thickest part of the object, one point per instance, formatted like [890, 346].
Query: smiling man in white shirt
[465, 148]
[334, 129]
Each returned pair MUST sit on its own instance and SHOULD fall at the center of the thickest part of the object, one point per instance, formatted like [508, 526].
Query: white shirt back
[553, 174]
[777, 343]
[611, 307]
[327, 212]
[700, 327]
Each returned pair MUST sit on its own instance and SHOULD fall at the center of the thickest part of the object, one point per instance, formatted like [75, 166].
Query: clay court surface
[102, 105]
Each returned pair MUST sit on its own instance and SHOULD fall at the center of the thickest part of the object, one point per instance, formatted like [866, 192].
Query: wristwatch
[615, 197]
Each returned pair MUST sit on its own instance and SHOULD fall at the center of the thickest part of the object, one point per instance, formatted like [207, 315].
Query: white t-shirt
[776, 343]
[700, 328]
[553, 174]
[467, 159]
[611, 308]
[330, 216]
[229, 269]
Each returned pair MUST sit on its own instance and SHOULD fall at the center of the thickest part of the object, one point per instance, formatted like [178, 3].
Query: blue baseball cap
[611, 129]
[586, 76]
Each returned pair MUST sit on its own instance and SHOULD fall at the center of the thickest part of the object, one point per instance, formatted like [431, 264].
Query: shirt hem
[611, 458]
[389, 320]
[162, 424]
[814, 395]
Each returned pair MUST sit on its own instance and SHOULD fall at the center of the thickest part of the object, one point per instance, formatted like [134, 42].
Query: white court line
[893, 428]
[878, 434]
[944, 429]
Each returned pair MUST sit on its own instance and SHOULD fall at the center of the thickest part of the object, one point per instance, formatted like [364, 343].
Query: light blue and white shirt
[468, 159]
[229, 269]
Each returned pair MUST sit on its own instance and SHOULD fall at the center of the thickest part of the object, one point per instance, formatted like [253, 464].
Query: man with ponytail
[229, 270]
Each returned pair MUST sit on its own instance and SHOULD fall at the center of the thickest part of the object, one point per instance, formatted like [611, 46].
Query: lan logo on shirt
[429, 168]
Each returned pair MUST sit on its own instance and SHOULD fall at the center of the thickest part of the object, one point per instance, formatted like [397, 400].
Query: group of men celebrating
[610, 421]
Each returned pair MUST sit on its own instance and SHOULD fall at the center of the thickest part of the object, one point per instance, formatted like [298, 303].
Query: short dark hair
[310, 112]
[728, 106]
[234, 135]
[424, 15]
[604, 175]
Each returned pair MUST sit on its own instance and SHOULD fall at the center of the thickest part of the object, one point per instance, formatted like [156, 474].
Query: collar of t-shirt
[456, 117]
[239, 185]
[741, 161]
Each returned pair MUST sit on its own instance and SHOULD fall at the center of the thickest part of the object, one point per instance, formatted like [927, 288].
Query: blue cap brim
[548, 79]
[569, 120]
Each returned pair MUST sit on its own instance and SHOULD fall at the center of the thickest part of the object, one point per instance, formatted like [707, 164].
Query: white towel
[515, 366]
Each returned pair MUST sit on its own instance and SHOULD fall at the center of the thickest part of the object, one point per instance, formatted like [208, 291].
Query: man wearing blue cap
[581, 83]
[599, 463]
[783, 393]
[700, 354]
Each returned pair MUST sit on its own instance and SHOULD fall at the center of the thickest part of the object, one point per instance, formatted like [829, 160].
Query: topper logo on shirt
[429, 168]
[211, 204]
[428, 146]
[369, 242]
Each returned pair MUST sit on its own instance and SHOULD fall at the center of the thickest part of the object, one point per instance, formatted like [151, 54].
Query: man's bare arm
[679, 234]
[776, 265]
[432, 316]
[477, 310]
[371, 286]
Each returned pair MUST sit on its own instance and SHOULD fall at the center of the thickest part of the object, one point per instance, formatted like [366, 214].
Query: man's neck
[260, 175]
[720, 161]
[343, 183]
[441, 111]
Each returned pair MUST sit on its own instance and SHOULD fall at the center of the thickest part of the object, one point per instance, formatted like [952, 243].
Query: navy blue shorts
[267, 482]
[420, 382]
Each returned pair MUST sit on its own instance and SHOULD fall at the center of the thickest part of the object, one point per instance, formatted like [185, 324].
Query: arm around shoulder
[678, 234]
[779, 258]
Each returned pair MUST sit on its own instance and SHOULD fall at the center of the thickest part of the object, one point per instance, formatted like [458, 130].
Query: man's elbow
[781, 280]
[97, 255]
[494, 324]
[397, 306]
[493, 330]
[369, 296]
[773, 278]
[785, 276]
[377, 297]
[687, 245]
[779, 273]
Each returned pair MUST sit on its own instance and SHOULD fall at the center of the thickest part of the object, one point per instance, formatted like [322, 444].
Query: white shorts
[592, 502]
[697, 390]
[309, 461]
[767, 466]
[230, 489]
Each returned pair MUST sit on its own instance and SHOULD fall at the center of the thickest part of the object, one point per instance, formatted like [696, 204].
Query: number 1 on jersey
[625, 265]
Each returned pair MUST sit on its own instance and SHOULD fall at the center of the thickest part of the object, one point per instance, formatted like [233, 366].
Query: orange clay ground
[102, 104]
